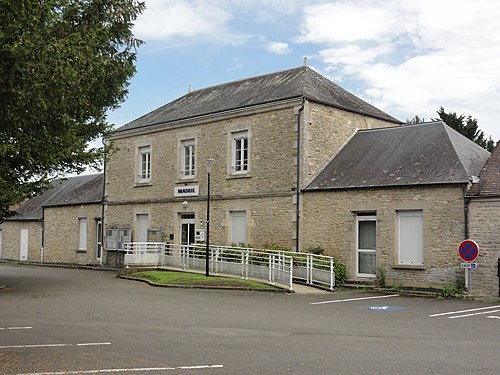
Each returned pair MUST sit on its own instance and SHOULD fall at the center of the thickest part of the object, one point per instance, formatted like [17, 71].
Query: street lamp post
[208, 163]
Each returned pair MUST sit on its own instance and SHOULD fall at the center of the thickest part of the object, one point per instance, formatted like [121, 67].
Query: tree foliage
[63, 65]
[466, 126]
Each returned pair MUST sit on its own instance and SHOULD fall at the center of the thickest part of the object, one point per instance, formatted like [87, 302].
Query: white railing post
[291, 274]
[332, 274]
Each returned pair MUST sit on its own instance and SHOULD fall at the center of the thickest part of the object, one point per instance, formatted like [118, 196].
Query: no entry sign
[468, 250]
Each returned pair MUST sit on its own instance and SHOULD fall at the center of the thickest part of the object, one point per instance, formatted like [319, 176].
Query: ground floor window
[366, 240]
[83, 235]
[238, 227]
[410, 237]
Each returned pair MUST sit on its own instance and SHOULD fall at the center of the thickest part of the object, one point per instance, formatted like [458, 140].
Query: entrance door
[24, 245]
[142, 228]
[366, 228]
[187, 229]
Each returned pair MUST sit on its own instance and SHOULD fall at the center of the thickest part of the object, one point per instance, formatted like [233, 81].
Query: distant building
[62, 225]
[483, 226]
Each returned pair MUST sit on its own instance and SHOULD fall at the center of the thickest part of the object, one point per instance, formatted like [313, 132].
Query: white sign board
[470, 266]
[187, 191]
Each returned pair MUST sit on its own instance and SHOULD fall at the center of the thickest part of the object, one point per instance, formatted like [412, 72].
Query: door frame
[359, 218]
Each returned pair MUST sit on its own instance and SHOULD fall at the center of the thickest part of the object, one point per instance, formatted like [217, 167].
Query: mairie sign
[187, 191]
[468, 250]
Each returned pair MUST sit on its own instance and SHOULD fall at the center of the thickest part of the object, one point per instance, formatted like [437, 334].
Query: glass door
[187, 229]
[366, 228]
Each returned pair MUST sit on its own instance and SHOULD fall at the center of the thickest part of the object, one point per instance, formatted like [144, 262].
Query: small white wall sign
[187, 191]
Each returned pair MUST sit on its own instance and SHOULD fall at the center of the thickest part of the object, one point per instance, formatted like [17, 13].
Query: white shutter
[411, 237]
[238, 227]
[83, 234]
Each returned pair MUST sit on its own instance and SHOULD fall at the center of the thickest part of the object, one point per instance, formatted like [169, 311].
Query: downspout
[42, 249]
[466, 215]
[297, 188]
[103, 203]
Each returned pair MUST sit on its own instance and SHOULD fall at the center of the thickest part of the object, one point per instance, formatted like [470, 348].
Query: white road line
[52, 345]
[493, 317]
[464, 311]
[354, 299]
[14, 328]
[118, 370]
[473, 314]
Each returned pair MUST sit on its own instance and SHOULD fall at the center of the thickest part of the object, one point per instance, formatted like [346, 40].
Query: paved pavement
[65, 321]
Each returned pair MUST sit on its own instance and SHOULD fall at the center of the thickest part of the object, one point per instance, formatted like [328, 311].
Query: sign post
[468, 251]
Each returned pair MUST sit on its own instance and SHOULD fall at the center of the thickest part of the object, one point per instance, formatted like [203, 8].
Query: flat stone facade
[10, 243]
[484, 225]
[62, 234]
[331, 224]
[267, 193]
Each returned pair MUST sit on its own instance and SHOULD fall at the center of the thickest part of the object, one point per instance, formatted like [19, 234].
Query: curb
[277, 290]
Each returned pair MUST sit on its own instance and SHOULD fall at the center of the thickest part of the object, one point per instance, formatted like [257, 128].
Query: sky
[405, 57]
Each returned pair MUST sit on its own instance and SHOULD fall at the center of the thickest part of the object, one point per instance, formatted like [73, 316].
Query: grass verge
[198, 280]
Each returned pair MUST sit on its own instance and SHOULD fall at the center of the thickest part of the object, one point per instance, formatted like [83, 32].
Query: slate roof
[489, 184]
[269, 88]
[422, 154]
[71, 191]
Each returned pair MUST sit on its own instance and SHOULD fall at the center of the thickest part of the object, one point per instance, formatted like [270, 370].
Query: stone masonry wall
[326, 130]
[484, 224]
[331, 223]
[62, 234]
[11, 239]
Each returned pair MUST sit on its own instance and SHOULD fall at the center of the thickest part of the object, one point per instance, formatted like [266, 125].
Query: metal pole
[207, 252]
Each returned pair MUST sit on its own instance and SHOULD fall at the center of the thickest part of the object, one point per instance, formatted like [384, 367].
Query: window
[83, 235]
[238, 226]
[240, 152]
[144, 164]
[366, 228]
[189, 158]
[411, 238]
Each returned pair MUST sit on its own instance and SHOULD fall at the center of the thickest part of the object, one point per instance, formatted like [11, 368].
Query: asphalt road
[65, 321]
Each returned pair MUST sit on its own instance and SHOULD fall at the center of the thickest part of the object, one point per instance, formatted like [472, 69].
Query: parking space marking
[493, 317]
[14, 328]
[464, 311]
[473, 314]
[118, 370]
[354, 299]
[52, 345]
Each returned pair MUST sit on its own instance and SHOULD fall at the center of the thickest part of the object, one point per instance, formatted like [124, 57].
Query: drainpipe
[103, 203]
[466, 217]
[42, 249]
[297, 188]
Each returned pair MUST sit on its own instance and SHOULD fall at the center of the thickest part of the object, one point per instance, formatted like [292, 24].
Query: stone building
[61, 225]
[391, 204]
[483, 226]
[268, 136]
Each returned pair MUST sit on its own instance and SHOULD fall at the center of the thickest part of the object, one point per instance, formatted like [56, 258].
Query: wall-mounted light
[185, 204]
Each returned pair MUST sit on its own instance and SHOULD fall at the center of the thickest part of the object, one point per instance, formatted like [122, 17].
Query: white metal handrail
[269, 265]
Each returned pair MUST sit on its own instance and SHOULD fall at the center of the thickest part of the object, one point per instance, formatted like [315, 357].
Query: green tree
[415, 120]
[63, 65]
[466, 126]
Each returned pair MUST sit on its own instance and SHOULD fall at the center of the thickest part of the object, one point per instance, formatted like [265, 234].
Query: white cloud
[412, 57]
[279, 48]
[165, 19]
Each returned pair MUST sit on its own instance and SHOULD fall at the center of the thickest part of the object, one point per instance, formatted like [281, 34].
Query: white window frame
[240, 165]
[188, 158]
[411, 244]
[360, 218]
[82, 225]
[144, 164]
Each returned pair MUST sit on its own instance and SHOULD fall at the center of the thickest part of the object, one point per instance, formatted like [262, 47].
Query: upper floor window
[240, 152]
[189, 158]
[144, 164]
